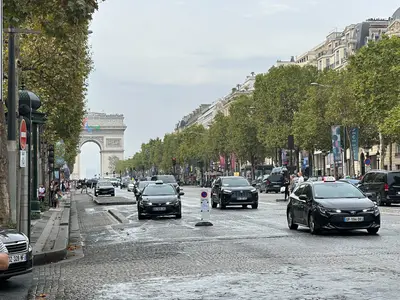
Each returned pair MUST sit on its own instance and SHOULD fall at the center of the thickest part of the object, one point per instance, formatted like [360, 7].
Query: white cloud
[270, 7]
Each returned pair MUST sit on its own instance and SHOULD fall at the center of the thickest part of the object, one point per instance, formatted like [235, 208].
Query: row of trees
[55, 65]
[294, 100]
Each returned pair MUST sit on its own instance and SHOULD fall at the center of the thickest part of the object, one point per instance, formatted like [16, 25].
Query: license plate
[242, 198]
[12, 259]
[354, 219]
[277, 186]
[159, 208]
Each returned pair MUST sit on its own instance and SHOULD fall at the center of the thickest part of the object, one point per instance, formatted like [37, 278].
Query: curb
[117, 215]
[53, 256]
[114, 203]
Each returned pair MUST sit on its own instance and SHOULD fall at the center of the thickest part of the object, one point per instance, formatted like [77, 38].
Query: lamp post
[378, 159]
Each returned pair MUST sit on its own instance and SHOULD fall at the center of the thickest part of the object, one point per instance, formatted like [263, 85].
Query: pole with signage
[204, 209]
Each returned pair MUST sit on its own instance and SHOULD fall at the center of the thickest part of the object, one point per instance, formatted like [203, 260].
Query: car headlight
[376, 210]
[322, 209]
[253, 190]
[174, 202]
[227, 192]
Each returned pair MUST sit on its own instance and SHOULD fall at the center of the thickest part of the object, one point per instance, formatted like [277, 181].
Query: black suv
[233, 190]
[381, 186]
[19, 253]
[273, 183]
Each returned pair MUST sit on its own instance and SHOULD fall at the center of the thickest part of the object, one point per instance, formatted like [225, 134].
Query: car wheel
[222, 206]
[289, 217]
[95, 194]
[311, 223]
[178, 216]
[140, 216]
[254, 206]
[276, 192]
[373, 230]
[113, 194]
[213, 204]
[379, 199]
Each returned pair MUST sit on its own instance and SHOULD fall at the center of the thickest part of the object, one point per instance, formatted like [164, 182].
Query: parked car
[19, 253]
[169, 179]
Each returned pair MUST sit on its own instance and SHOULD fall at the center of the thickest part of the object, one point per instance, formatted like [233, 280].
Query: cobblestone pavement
[247, 254]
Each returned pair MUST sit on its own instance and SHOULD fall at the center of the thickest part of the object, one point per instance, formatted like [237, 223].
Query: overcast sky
[157, 60]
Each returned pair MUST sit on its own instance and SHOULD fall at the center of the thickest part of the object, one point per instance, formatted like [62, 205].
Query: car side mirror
[181, 193]
[254, 184]
[303, 197]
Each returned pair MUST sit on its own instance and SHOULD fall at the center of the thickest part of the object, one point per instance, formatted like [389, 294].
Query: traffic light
[173, 161]
[51, 155]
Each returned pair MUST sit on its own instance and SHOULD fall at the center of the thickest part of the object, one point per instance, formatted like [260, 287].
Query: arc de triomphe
[107, 131]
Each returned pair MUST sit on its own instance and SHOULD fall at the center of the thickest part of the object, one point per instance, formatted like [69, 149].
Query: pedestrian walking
[286, 184]
[84, 186]
[3, 257]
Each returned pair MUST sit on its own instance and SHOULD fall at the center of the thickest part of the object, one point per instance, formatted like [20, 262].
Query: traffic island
[107, 200]
[50, 235]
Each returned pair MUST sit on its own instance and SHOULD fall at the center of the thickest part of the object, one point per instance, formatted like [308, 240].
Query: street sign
[204, 209]
[367, 161]
[22, 135]
[22, 158]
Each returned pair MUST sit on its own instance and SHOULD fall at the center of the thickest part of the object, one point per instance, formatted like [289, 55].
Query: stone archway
[107, 131]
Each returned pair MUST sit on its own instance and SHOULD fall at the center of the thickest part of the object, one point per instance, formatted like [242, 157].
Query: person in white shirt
[301, 178]
[3, 257]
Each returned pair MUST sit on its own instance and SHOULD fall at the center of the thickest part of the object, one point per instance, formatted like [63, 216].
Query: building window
[397, 148]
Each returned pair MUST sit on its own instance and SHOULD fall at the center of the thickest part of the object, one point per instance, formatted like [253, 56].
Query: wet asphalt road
[247, 254]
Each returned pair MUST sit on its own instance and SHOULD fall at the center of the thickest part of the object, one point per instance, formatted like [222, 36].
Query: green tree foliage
[278, 95]
[243, 137]
[376, 73]
[219, 136]
[59, 63]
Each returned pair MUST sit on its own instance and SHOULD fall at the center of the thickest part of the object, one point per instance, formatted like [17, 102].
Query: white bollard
[204, 209]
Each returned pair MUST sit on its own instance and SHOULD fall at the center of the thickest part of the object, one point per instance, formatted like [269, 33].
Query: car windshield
[103, 183]
[159, 190]
[235, 181]
[336, 190]
[164, 178]
[143, 184]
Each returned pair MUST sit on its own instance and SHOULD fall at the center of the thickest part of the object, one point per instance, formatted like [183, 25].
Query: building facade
[191, 118]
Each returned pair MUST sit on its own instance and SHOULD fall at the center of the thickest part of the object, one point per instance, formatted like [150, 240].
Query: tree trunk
[4, 195]
[390, 156]
[252, 161]
[382, 151]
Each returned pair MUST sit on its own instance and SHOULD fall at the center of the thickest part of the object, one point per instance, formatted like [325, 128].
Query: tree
[64, 28]
[219, 137]
[277, 97]
[376, 73]
[243, 132]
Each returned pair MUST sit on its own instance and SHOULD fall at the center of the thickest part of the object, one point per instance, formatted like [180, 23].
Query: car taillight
[386, 187]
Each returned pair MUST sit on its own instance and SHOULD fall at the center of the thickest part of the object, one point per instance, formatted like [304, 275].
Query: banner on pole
[354, 142]
[336, 144]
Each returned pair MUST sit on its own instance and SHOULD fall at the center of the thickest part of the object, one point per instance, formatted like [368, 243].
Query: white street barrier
[204, 209]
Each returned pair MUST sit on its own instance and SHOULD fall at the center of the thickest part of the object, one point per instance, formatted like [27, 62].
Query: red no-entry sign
[22, 135]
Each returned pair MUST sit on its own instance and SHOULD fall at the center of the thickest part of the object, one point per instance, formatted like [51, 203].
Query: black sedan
[233, 190]
[104, 188]
[329, 204]
[19, 253]
[159, 199]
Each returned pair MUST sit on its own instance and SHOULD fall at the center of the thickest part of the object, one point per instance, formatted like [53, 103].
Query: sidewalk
[50, 234]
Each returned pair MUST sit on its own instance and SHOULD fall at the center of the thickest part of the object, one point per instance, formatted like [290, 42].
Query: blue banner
[354, 142]
[336, 147]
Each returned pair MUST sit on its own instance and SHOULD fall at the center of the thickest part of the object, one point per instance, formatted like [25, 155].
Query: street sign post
[367, 161]
[22, 135]
[204, 209]
[22, 158]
